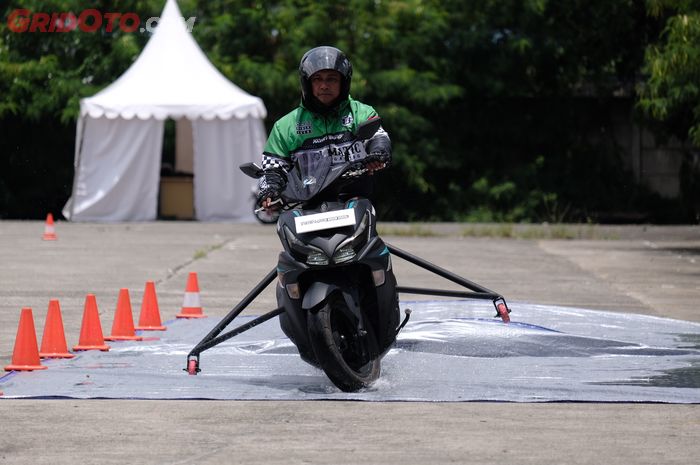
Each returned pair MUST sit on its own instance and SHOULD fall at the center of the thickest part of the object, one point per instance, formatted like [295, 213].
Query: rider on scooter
[323, 124]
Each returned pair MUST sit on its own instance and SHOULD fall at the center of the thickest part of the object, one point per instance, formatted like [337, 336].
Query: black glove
[382, 157]
[271, 184]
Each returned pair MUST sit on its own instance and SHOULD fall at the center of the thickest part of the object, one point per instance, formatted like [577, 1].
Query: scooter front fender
[317, 293]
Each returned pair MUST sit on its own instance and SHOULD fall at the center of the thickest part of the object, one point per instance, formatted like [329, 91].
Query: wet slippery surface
[449, 351]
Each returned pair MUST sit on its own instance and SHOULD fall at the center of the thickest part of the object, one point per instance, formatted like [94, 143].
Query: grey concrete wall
[656, 164]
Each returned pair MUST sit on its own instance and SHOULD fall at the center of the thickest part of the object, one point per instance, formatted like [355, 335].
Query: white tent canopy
[120, 134]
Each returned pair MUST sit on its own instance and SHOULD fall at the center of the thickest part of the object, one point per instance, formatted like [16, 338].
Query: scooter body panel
[366, 281]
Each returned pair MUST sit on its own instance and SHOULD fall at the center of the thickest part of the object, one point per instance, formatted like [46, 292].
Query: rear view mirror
[252, 170]
[367, 129]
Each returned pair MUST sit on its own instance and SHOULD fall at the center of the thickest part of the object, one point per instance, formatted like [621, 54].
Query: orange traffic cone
[91, 337]
[53, 343]
[149, 319]
[191, 306]
[123, 325]
[26, 353]
[49, 230]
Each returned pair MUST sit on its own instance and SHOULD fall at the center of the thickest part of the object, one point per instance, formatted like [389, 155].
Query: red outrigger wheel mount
[193, 366]
[502, 310]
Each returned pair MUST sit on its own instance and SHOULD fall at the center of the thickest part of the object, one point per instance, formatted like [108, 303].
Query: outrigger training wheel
[192, 367]
[503, 312]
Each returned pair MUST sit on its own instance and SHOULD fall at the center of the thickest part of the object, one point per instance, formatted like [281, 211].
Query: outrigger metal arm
[215, 337]
[477, 291]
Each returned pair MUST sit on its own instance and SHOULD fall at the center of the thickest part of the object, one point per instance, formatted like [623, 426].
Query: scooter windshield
[311, 174]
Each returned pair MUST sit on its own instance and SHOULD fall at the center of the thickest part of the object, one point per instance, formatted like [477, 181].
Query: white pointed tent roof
[172, 78]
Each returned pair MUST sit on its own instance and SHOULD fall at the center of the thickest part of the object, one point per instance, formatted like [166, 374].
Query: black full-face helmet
[318, 59]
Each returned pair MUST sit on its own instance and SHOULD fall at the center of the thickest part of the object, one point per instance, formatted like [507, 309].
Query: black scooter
[337, 295]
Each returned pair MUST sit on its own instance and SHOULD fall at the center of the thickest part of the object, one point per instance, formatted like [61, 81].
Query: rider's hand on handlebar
[268, 198]
[270, 203]
[373, 166]
[271, 185]
[376, 162]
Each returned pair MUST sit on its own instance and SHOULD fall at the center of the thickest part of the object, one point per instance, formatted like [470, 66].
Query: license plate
[325, 220]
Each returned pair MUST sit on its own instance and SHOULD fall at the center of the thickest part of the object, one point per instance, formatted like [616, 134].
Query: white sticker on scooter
[325, 220]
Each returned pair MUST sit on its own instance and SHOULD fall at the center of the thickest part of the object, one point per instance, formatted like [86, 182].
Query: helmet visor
[322, 58]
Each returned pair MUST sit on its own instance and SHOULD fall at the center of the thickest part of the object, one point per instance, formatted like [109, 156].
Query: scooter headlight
[344, 254]
[312, 255]
[317, 258]
[347, 249]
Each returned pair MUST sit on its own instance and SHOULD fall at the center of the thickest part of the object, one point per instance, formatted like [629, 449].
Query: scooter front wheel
[349, 359]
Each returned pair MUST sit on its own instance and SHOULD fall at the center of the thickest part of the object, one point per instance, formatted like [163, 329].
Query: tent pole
[77, 158]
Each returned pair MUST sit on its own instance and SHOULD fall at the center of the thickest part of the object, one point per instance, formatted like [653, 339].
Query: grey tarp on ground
[449, 351]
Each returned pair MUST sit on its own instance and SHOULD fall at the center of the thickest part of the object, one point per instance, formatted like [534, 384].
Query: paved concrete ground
[652, 270]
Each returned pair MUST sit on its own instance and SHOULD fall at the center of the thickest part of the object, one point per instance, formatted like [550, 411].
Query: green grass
[203, 252]
[539, 231]
[413, 230]
[503, 231]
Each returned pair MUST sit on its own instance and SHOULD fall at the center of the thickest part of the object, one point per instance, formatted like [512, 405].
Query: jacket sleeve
[270, 162]
[276, 152]
[379, 144]
[275, 163]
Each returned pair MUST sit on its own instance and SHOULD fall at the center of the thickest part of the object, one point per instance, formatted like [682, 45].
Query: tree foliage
[44, 74]
[671, 94]
[497, 109]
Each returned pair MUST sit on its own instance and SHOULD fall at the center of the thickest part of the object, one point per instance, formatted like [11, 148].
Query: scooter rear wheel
[350, 360]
